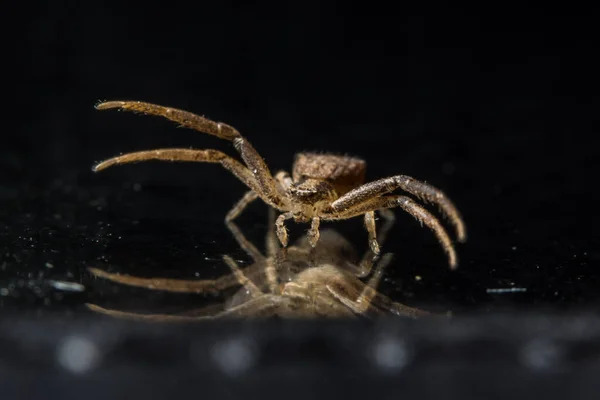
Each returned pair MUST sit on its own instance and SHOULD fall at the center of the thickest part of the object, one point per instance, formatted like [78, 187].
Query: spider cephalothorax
[318, 180]
[322, 186]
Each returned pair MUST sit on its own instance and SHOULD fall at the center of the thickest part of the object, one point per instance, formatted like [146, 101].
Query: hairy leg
[253, 160]
[241, 277]
[271, 241]
[263, 306]
[370, 226]
[411, 207]
[422, 190]
[242, 203]
[183, 118]
[215, 286]
[168, 285]
[133, 316]
[244, 243]
[386, 304]
[360, 302]
[313, 232]
[281, 229]
[190, 155]
[366, 264]
[265, 263]
[284, 181]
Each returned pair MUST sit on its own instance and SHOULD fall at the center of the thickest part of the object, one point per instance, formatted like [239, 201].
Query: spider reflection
[294, 282]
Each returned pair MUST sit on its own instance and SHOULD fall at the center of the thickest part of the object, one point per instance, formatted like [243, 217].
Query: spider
[321, 187]
[301, 282]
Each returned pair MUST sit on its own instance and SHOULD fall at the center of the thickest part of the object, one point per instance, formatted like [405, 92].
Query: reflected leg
[361, 303]
[366, 264]
[264, 306]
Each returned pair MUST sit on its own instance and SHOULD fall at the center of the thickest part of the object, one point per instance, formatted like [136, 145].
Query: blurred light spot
[67, 286]
[541, 354]
[78, 354]
[506, 290]
[390, 353]
[234, 356]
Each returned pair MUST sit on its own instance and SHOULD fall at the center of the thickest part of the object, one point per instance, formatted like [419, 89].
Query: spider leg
[422, 190]
[366, 264]
[271, 241]
[284, 180]
[269, 268]
[313, 232]
[262, 306]
[183, 118]
[371, 300]
[168, 285]
[281, 229]
[361, 303]
[385, 303]
[190, 155]
[411, 207]
[133, 316]
[256, 165]
[370, 226]
[242, 203]
[244, 243]
[241, 277]
[181, 285]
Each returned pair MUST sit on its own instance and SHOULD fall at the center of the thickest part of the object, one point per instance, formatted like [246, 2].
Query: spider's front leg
[371, 230]
[282, 233]
[410, 206]
[313, 232]
[417, 188]
[256, 165]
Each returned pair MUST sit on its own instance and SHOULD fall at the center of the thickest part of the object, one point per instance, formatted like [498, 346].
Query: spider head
[311, 191]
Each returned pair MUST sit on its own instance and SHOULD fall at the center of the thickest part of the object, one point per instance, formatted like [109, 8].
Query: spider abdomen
[342, 172]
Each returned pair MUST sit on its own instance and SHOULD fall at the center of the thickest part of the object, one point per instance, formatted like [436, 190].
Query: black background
[496, 107]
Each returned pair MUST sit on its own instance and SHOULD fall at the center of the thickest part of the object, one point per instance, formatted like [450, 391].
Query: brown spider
[299, 282]
[322, 186]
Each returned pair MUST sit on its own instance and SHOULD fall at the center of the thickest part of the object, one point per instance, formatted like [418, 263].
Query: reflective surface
[502, 117]
[530, 257]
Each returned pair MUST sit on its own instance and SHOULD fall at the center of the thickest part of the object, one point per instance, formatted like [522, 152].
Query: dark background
[498, 110]
[496, 106]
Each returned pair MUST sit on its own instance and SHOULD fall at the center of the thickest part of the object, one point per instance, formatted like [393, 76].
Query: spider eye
[300, 191]
[310, 191]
